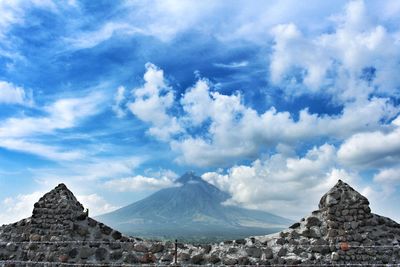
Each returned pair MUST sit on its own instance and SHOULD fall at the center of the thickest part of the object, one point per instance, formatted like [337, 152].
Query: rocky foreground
[342, 231]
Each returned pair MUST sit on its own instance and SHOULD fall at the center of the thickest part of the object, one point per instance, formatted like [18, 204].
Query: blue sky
[271, 101]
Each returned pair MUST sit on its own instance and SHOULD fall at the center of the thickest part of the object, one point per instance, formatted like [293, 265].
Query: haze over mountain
[192, 210]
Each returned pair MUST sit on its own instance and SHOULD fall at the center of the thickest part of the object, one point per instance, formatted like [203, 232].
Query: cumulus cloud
[152, 102]
[389, 176]
[11, 94]
[375, 148]
[230, 130]
[238, 131]
[358, 58]
[283, 184]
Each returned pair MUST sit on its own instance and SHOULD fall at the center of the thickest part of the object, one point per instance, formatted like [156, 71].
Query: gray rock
[244, 261]
[206, 248]
[85, 252]
[101, 254]
[313, 221]
[268, 253]
[105, 229]
[240, 241]
[197, 259]
[116, 235]
[11, 247]
[295, 225]
[254, 252]
[321, 246]
[147, 258]
[140, 248]
[116, 255]
[130, 258]
[157, 248]
[214, 259]
[282, 252]
[167, 258]
[335, 256]
[230, 261]
[73, 253]
[184, 256]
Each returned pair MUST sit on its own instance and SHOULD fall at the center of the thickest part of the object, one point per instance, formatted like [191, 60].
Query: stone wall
[342, 231]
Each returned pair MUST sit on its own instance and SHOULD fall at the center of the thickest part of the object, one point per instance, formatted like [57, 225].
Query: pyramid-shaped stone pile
[55, 212]
[342, 231]
[60, 230]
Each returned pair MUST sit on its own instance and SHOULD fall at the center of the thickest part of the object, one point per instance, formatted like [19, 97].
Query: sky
[270, 101]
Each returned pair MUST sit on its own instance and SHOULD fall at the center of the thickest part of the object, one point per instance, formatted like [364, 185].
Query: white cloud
[197, 101]
[17, 208]
[46, 151]
[152, 102]
[335, 62]
[95, 204]
[167, 19]
[389, 176]
[139, 183]
[62, 114]
[119, 99]
[90, 170]
[232, 131]
[287, 185]
[14, 11]
[91, 39]
[237, 131]
[232, 65]
[372, 148]
[23, 133]
[11, 94]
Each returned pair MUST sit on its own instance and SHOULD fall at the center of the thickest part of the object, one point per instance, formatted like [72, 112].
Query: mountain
[192, 211]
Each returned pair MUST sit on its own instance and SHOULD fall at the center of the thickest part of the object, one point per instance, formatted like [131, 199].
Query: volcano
[193, 210]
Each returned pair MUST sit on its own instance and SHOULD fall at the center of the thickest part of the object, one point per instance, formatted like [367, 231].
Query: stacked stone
[343, 217]
[55, 212]
[344, 211]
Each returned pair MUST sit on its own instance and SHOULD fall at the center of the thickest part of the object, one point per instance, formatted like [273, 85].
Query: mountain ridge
[194, 207]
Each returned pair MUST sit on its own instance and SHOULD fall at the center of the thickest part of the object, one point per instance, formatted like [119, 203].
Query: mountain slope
[191, 209]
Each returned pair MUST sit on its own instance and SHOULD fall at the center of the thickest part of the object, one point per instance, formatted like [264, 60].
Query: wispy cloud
[12, 94]
[119, 101]
[50, 152]
[232, 65]
[91, 39]
[23, 133]
[138, 183]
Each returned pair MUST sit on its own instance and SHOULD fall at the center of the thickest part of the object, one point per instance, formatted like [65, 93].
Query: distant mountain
[192, 211]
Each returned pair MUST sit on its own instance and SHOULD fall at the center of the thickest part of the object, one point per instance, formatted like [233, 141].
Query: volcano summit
[192, 210]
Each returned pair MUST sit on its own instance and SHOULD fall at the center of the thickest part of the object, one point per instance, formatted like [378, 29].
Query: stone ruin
[342, 231]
